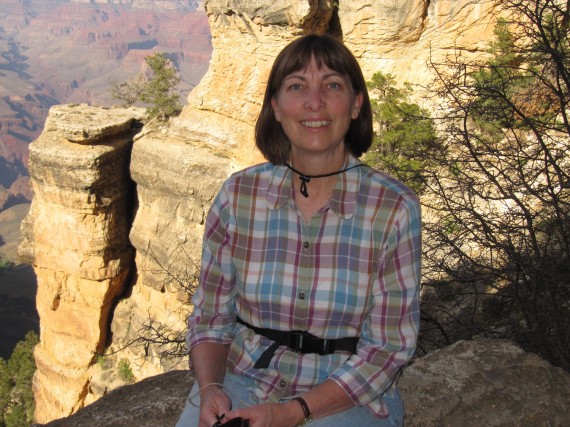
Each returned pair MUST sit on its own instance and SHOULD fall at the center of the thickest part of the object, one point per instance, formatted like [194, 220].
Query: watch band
[306, 411]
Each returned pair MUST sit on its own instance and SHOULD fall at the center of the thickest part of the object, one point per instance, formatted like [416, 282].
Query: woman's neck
[314, 182]
[318, 165]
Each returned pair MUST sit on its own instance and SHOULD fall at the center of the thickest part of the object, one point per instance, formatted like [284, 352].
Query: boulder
[483, 382]
[152, 402]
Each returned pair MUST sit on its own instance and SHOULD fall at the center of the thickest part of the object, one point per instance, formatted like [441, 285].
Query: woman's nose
[315, 99]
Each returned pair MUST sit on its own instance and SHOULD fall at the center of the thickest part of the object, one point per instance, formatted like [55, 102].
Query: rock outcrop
[153, 402]
[115, 226]
[485, 382]
[114, 235]
[76, 237]
[476, 383]
[176, 182]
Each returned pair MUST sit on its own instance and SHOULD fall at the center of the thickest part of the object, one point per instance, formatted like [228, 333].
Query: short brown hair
[270, 138]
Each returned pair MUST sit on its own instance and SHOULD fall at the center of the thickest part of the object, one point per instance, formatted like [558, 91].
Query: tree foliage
[158, 91]
[498, 216]
[16, 396]
[129, 92]
[4, 264]
[403, 134]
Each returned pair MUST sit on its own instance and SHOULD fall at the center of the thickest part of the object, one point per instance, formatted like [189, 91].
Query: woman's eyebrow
[295, 76]
[334, 74]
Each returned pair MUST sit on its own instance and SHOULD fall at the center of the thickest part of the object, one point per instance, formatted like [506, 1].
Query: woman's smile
[315, 123]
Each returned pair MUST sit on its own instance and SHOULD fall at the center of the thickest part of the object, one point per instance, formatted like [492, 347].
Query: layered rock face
[76, 237]
[102, 276]
[115, 228]
[403, 37]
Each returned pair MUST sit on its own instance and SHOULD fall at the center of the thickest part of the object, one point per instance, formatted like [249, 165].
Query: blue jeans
[238, 388]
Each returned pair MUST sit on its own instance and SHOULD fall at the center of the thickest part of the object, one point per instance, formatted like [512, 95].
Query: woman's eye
[335, 85]
[295, 87]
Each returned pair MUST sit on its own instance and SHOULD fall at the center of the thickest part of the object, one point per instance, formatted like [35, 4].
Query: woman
[312, 242]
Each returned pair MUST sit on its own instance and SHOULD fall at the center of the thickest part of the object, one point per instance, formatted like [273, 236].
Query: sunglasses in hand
[234, 422]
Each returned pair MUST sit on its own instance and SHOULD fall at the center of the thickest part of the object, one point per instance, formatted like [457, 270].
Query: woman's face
[315, 107]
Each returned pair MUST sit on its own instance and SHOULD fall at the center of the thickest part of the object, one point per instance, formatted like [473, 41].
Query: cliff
[115, 226]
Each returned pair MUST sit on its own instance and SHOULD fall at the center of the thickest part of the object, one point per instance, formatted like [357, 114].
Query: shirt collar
[342, 201]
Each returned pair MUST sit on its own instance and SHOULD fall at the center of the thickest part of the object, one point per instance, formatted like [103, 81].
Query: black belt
[300, 341]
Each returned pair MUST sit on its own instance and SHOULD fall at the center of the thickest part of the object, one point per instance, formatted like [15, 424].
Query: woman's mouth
[315, 123]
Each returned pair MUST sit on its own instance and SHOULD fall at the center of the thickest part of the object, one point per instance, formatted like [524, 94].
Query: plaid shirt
[352, 270]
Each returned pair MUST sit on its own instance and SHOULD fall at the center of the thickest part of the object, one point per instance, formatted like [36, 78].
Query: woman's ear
[358, 99]
[276, 110]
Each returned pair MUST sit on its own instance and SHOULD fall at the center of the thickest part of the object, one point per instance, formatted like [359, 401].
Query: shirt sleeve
[213, 316]
[389, 334]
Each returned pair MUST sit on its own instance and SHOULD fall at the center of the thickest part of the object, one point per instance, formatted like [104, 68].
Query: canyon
[65, 51]
[59, 52]
[114, 229]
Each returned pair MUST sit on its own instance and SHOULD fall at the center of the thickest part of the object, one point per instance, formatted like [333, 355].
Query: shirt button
[306, 245]
[302, 295]
[282, 383]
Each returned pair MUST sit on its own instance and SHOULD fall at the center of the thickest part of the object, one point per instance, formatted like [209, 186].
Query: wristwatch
[306, 411]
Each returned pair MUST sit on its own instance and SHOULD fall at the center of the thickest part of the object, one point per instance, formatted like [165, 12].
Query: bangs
[297, 58]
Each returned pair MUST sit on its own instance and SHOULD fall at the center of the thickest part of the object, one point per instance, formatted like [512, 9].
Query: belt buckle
[297, 341]
[326, 347]
[301, 342]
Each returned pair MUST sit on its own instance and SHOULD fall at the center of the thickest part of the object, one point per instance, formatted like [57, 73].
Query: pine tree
[403, 132]
[16, 396]
[159, 90]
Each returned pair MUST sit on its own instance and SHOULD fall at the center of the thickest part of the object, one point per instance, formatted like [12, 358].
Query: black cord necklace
[306, 178]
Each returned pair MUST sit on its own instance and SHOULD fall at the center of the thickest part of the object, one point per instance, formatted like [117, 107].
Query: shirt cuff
[361, 390]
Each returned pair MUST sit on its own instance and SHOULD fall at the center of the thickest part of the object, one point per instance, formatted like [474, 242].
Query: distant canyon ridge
[69, 51]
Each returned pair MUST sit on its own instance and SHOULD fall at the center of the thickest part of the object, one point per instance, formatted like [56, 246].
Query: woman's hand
[288, 414]
[214, 402]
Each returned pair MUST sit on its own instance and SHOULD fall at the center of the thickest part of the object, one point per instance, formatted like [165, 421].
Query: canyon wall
[115, 226]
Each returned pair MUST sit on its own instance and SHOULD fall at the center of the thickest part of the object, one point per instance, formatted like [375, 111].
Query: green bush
[5, 264]
[125, 371]
[16, 374]
[158, 92]
[404, 132]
